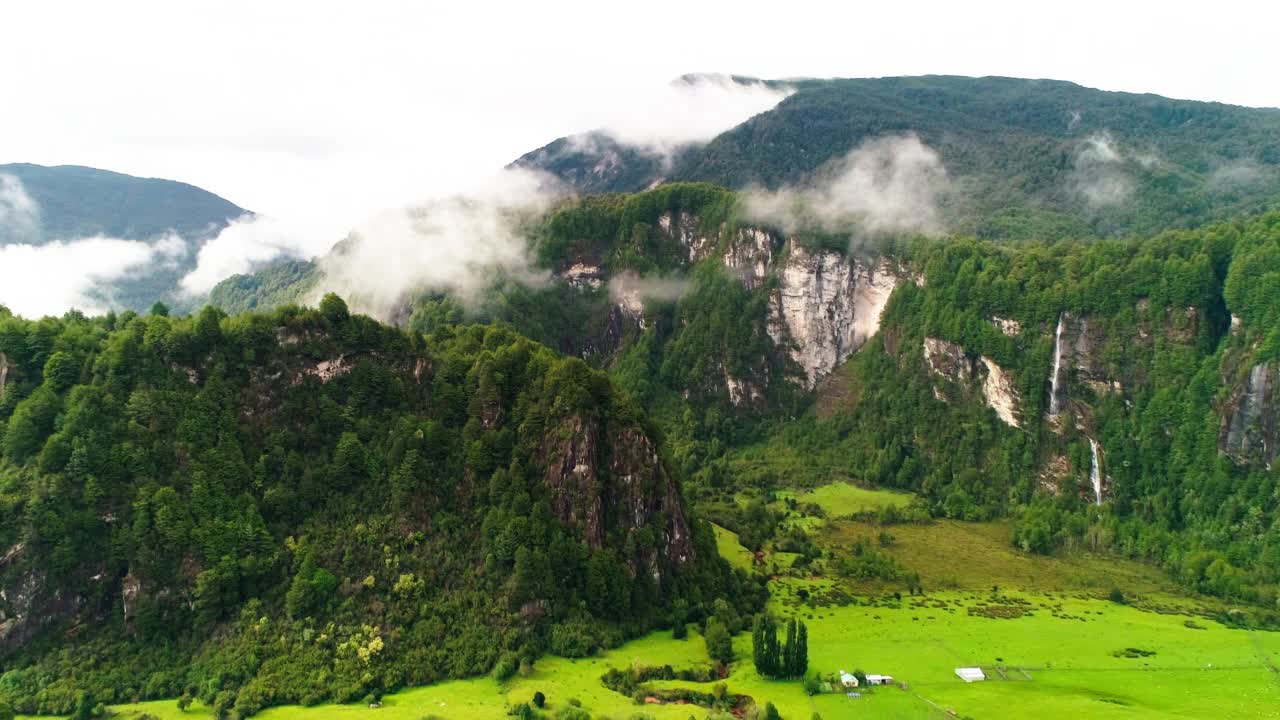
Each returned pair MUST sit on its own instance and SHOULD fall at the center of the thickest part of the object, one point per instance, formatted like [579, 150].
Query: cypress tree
[789, 650]
[802, 650]
[759, 650]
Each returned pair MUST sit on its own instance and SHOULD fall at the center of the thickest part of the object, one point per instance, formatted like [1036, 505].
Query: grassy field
[1072, 648]
[1063, 649]
[841, 499]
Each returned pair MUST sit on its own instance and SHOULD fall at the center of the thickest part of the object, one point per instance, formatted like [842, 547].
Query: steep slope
[1029, 158]
[394, 511]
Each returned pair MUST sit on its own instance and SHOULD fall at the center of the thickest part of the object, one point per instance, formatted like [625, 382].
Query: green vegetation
[309, 506]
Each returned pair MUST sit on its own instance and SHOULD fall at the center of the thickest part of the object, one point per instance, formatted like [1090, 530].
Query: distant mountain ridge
[70, 202]
[78, 201]
[1028, 158]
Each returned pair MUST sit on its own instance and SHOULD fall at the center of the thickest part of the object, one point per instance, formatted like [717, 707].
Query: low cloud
[1100, 176]
[19, 214]
[461, 244]
[886, 185]
[248, 243]
[631, 290]
[50, 279]
[1238, 175]
[692, 108]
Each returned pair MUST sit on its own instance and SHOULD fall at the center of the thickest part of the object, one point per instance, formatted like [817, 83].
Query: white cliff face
[1000, 393]
[750, 255]
[827, 305]
[950, 362]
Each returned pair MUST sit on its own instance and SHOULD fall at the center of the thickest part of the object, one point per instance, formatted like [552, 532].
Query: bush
[539, 700]
[1117, 596]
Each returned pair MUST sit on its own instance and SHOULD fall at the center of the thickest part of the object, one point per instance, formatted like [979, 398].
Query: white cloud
[1100, 176]
[461, 243]
[885, 185]
[690, 109]
[19, 214]
[49, 279]
[249, 242]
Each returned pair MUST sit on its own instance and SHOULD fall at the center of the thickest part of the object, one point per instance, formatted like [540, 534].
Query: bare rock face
[1249, 425]
[1010, 328]
[583, 275]
[605, 479]
[684, 227]
[947, 360]
[750, 256]
[1000, 393]
[827, 305]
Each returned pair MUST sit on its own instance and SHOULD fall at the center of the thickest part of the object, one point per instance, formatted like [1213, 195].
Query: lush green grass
[732, 550]
[951, 555]
[1067, 644]
[842, 499]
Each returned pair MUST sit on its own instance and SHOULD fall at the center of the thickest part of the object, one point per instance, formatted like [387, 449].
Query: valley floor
[1042, 628]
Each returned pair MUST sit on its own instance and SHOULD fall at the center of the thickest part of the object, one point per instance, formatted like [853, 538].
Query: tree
[539, 700]
[802, 651]
[160, 309]
[334, 309]
[771, 712]
[719, 642]
[6, 712]
[84, 706]
[789, 650]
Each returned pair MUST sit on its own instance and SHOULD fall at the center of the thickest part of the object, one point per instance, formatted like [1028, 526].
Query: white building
[848, 680]
[879, 679]
[969, 674]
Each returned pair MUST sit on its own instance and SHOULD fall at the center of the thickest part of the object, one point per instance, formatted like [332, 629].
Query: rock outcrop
[1000, 393]
[1249, 429]
[602, 476]
[950, 362]
[827, 306]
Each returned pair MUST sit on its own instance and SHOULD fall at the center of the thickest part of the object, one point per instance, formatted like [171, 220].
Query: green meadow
[1042, 628]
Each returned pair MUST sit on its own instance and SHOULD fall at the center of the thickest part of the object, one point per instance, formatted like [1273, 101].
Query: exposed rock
[1011, 328]
[683, 227]
[750, 256]
[1000, 393]
[827, 306]
[130, 589]
[1056, 470]
[613, 477]
[582, 275]
[947, 360]
[1249, 427]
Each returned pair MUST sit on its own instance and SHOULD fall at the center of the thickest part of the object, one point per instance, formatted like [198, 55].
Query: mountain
[1027, 158]
[70, 203]
[396, 510]
[76, 202]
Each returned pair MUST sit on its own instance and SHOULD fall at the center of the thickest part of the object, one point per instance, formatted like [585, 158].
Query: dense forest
[309, 505]
[1028, 159]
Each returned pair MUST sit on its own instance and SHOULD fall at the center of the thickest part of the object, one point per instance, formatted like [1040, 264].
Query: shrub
[539, 700]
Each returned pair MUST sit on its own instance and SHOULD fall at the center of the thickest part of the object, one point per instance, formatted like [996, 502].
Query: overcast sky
[335, 110]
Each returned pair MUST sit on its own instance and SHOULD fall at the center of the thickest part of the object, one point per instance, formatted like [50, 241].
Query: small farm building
[970, 674]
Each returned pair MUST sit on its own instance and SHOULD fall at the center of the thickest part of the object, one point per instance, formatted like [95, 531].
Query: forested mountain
[1034, 159]
[69, 203]
[1111, 394]
[309, 505]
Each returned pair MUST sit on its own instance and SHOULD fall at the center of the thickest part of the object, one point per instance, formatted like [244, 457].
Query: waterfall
[1054, 405]
[1095, 472]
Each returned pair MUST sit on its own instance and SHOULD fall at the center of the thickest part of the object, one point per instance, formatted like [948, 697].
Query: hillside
[77, 202]
[308, 505]
[1027, 158]
[69, 203]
